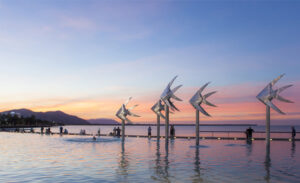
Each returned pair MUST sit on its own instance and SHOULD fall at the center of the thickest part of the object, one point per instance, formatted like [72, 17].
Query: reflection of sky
[87, 57]
[54, 158]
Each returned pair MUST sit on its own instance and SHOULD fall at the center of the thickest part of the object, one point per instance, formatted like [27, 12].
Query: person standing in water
[99, 132]
[172, 131]
[149, 131]
[249, 132]
[118, 132]
[42, 130]
[293, 133]
[61, 130]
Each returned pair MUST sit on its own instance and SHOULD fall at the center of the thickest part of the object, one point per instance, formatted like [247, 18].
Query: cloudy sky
[87, 57]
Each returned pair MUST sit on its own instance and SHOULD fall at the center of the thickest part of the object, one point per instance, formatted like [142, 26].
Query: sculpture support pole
[197, 127]
[123, 130]
[268, 124]
[167, 124]
[158, 127]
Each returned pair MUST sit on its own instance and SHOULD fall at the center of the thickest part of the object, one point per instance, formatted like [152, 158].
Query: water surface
[54, 158]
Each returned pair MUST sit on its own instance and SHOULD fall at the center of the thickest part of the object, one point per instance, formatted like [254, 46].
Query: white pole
[158, 127]
[268, 124]
[167, 124]
[123, 130]
[197, 127]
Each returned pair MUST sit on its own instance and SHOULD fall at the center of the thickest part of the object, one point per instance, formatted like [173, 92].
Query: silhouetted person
[66, 131]
[42, 130]
[118, 132]
[48, 131]
[99, 132]
[149, 131]
[94, 138]
[61, 130]
[293, 133]
[249, 132]
[172, 131]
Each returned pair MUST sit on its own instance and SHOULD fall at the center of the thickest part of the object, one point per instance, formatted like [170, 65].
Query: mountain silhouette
[57, 116]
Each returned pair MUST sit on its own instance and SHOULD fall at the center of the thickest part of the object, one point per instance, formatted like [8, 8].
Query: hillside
[57, 116]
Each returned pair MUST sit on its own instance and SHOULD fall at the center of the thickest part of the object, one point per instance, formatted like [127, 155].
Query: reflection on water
[293, 149]
[123, 164]
[161, 164]
[54, 158]
[267, 162]
[197, 177]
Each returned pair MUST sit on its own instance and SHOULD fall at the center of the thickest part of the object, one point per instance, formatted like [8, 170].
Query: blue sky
[53, 52]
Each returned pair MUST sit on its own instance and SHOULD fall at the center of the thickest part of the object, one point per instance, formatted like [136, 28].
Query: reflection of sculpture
[266, 96]
[161, 166]
[267, 163]
[123, 112]
[157, 108]
[166, 98]
[196, 102]
[122, 171]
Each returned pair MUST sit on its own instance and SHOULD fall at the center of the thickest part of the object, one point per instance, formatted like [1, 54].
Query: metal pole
[158, 127]
[123, 130]
[167, 124]
[268, 124]
[197, 127]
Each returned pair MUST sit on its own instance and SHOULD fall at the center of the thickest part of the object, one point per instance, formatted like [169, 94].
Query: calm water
[44, 158]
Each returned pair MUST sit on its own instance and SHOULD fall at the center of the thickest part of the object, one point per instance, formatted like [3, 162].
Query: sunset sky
[87, 57]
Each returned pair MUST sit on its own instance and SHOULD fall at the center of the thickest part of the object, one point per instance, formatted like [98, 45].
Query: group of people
[62, 131]
[116, 132]
[82, 132]
[48, 130]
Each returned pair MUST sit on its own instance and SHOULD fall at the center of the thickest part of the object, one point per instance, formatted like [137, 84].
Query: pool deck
[176, 137]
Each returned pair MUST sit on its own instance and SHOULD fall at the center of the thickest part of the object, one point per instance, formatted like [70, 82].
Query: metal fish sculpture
[123, 112]
[198, 99]
[268, 94]
[168, 93]
[157, 108]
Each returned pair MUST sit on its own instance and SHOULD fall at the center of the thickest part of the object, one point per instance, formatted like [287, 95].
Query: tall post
[197, 127]
[167, 124]
[267, 124]
[158, 127]
[123, 130]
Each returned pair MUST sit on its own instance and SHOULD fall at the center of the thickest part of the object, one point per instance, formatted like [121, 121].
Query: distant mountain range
[61, 117]
[103, 121]
[57, 116]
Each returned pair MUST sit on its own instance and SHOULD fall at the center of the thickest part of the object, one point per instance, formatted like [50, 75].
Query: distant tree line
[13, 120]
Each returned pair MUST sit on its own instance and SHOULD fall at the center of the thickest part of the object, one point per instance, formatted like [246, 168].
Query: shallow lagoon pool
[44, 158]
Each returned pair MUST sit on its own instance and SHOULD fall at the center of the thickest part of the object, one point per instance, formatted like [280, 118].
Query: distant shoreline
[153, 124]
